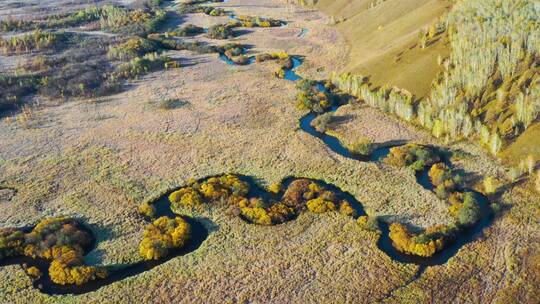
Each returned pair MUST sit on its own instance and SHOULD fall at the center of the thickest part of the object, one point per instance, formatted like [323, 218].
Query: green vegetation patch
[312, 97]
[38, 40]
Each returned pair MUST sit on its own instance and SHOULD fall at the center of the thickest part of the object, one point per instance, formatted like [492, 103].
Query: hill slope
[383, 39]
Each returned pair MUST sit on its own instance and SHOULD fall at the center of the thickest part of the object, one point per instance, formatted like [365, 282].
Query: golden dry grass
[383, 40]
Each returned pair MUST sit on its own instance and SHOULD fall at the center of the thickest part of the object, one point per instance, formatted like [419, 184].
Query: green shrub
[141, 65]
[414, 156]
[13, 88]
[368, 223]
[136, 22]
[171, 103]
[86, 15]
[363, 146]
[322, 122]
[10, 24]
[220, 31]
[188, 30]
[466, 213]
[38, 40]
[188, 8]
[132, 48]
[310, 97]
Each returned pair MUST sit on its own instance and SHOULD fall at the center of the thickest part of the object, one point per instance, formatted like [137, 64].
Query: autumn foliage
[62, 241]
[229, 190]
[162, 236]
[414, 156]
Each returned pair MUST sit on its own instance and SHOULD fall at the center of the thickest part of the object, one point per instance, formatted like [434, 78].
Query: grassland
[98, 159]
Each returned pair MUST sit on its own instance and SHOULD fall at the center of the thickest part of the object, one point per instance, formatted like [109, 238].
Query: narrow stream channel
[199, 233]
[385, 243]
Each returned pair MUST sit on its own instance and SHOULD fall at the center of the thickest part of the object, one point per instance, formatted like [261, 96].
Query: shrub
[148, 210]
[86, 15]
[59, 240]
[186, 197]
[466, 213]
[250, 21]
[38, 40]
[33, 272]
[319, 205]
[188, 30]
[275, 214]
[363, 146]
[223, 188]
[13, 88]
[275, 188]
[310, 97]
[491, 185]
[11, 242]
[257, 215]
[208, 10]
[414, 156]
[280, 213]
[141, 65]
[163, 235]
[424, 245]
[368, 223]
[322, 122]
[346, 208]
[132, 48]
[235, 53]
[171, 103]
[441, 177]
[10, 24]
[220, 31]
[55, 232]
[63, 274]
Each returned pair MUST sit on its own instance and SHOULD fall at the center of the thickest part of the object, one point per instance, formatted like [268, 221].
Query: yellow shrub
[346, 209]
[148, 210]
[186, 196]
[162, 235]
[256, 215]
[280, 213]
[491, 185]
[314, 187]
[275, 188]
[33, 272]
[279, 55]
[404, 241]
[368, 223]
[62, 274]
[172, 64]
[319, 205]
